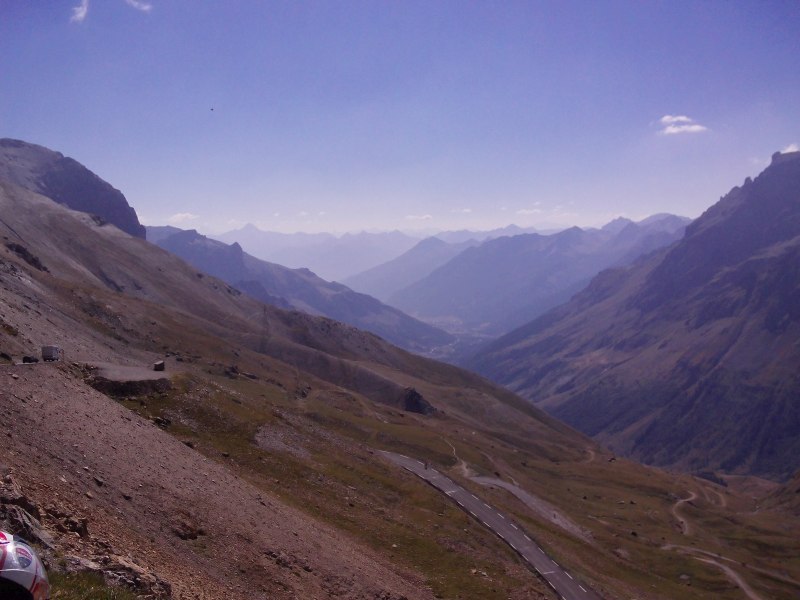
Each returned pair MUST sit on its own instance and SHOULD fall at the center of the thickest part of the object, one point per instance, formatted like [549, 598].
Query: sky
[343, 115]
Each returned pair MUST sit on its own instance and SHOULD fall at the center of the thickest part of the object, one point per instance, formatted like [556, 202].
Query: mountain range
[341, 257]
[687, 358]
[387, 279]
[505, 282]
[460, 236]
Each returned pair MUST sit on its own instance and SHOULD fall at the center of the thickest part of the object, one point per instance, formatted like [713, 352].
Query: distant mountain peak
[431, 242]
[617, 225]
[781, 157]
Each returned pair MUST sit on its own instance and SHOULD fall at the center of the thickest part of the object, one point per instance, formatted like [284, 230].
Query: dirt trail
[715, 556]
[461, 466]
[734, 577]
[711, 559]
[686, 528]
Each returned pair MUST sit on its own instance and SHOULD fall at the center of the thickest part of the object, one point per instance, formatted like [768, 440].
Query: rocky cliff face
[67, 182]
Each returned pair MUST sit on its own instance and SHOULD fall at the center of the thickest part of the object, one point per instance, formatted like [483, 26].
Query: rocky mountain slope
[251, 469]
[67, 182]
[390, 277]
[506, 282]
[300, 289]
[689, 357]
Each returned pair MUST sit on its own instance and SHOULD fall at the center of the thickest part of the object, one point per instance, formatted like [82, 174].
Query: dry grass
[85, 587]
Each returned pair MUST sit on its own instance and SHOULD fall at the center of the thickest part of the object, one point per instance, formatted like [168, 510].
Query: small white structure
[52, 353]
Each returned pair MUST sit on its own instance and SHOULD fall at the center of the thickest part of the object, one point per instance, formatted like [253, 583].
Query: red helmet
[22, 575]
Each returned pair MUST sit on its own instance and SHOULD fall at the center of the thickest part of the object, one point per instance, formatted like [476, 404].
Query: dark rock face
[414, 402]
[70, 183]
[122, 389]
[67, 182]
[25, 255]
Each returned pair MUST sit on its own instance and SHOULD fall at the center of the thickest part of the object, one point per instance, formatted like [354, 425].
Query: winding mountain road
[686, 528]
[564, 584]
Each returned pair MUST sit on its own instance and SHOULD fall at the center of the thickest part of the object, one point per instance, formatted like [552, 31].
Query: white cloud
[462, 211]
[302, 213]
[139, 5]
[677, 124]
[672, 119]
[79, 12]
[419, 217]
[791, 148]
[182, 218]
[529, 211]
[690, 128]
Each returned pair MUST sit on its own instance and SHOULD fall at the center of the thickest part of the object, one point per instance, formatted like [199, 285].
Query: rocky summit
[66, 181]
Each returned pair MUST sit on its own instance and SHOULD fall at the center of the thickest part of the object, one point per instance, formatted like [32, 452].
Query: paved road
[562, 582]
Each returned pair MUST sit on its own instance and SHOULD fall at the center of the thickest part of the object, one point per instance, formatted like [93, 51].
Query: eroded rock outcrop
[21, 516]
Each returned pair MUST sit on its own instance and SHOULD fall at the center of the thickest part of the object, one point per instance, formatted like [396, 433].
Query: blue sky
[344, 115]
